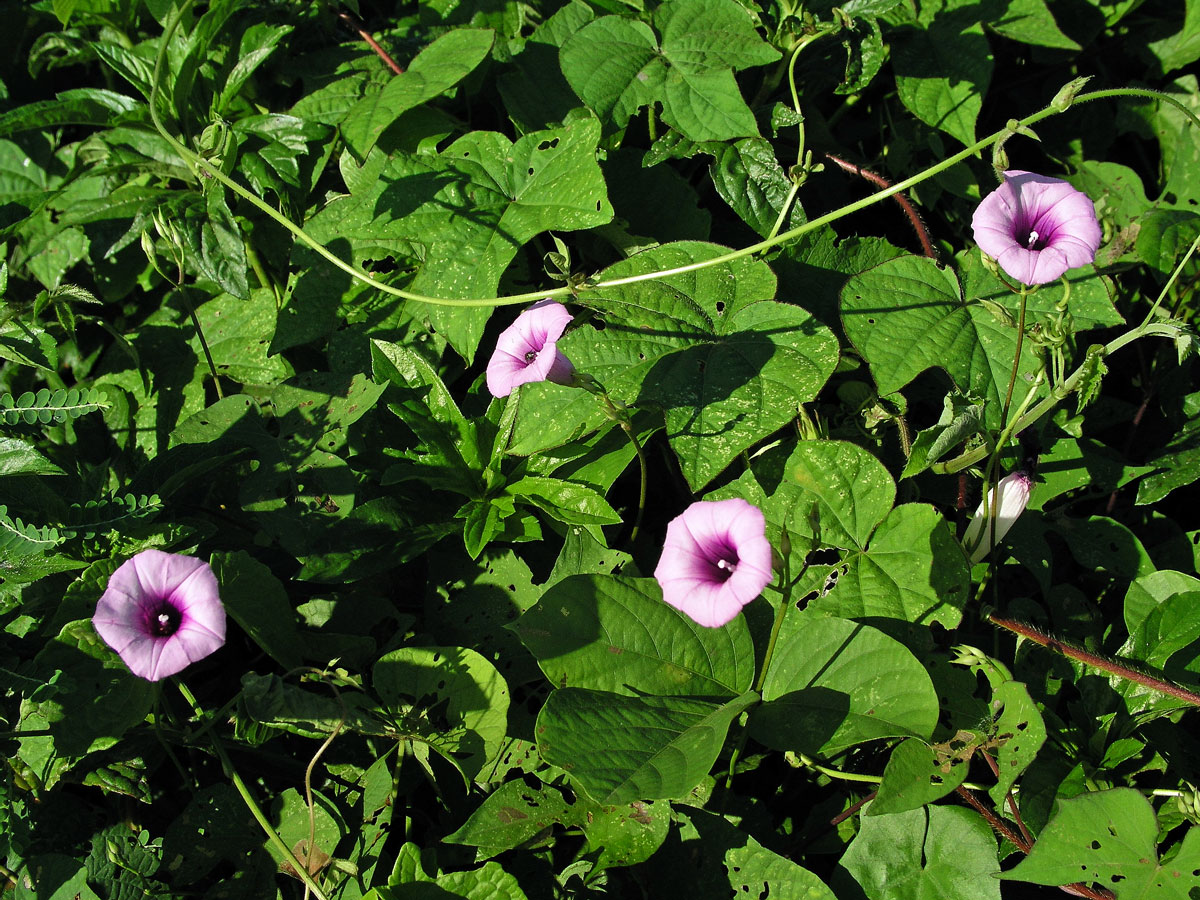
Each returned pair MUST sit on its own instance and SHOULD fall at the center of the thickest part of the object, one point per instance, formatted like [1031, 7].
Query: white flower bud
[1013, 497]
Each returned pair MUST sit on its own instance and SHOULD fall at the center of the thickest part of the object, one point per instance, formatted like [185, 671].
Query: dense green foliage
[252, 268]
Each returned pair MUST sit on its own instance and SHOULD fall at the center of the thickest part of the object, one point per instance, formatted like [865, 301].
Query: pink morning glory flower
[1013, 492]
[527, 350]
[1036, 227]
[715, 560]
[161, 612]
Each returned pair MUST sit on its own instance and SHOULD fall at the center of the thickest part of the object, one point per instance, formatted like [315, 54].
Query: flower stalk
[251, 804]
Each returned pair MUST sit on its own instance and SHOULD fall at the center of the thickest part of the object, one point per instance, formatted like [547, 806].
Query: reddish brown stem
[1104, 664]
[847, 813]
[1077, 889]
[1012, 803]
[878, 180]
[998, 825]
[371, 42]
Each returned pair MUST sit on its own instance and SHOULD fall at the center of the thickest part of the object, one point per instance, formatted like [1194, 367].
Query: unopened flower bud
[1006, 501]
[1067, 93]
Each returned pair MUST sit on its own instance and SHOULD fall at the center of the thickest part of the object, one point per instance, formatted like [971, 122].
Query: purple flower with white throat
[528, 351]
[1036, 227]
[1006, 501]
[161, 612]
[716, 559]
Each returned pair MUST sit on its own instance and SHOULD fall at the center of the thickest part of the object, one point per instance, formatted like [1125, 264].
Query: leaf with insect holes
[1111, 838]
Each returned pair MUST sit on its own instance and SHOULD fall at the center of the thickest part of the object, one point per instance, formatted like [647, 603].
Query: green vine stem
[195, 161]
[251, 804]
[1060, 392]
[785, 600]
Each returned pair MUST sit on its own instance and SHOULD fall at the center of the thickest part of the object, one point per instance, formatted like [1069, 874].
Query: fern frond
[50, 407]
[18, 538]
[97, 517]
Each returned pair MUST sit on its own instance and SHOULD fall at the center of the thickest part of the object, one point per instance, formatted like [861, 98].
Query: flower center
[530, 356]
[163, 620]
[1034, 241]
[725, 568]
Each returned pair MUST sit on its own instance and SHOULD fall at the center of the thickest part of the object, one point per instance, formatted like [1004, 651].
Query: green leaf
[257, 44]
[1164, 236]
[1160, 615]
[268, 700]
[80, 106]
[18, 457]
[934, 853]
[943, 70]
[900, 562]
[215, 244]
[1110, 838]
[750, 179]
[619, 749]
[516, 813]
[213, 829]
[959, 421]
[237, 330]
[1178, 465]
[425, 405]
[1088, 296]
[834, 683]
[616, 634]
[1030, 22]
[1021, 731]
[617, 66]
[490, 882]
[364, 543]
[534, 91]
[625, 834]
[109, 515]
[469, 604]
[549, 415]
[449, 697]
[717, 859]
[547, 180]
[259, 604]
[511, 815]
[289, 815]
[436, 69]
[483, 521]
[565, 501]
[95, 701]
[30, 346]
[727, 364]
[865, 54]
[908, 315]
[917, 774]
[1182, 47]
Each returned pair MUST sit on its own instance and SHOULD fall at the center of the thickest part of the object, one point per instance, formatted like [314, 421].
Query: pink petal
[143, 585]
[697, 540]
[535, 331]
[1063, 217]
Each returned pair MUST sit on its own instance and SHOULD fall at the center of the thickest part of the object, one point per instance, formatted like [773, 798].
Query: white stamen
[164, 620]
[725, 564]
[1032, 239]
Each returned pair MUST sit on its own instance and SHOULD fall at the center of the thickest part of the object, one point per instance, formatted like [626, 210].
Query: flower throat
[163, 620]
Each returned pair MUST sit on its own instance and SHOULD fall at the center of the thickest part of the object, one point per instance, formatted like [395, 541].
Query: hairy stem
[1116, 667]
[371, 42]
[914, 217]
